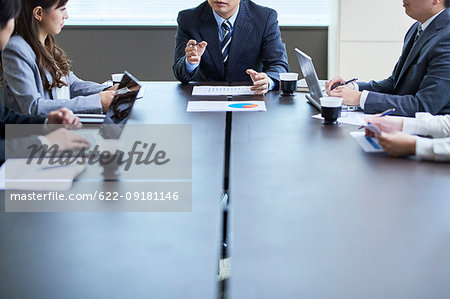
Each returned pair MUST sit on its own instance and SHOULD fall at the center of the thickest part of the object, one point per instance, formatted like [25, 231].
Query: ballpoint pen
[387, 112]
[345, 83]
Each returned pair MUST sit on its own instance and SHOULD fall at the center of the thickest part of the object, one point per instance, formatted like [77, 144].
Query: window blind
[164, 13]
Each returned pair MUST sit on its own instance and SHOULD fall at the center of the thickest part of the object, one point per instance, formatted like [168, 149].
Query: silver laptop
[309, 72]
[315, 85]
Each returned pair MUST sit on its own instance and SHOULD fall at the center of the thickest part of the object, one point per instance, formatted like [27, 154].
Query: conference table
[125, 255]
[312, 216]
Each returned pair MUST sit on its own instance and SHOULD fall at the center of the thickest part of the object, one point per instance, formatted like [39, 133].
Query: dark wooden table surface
[316, 217]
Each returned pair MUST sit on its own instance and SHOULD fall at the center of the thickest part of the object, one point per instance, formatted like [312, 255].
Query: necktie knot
[226, 26]
[419, 33]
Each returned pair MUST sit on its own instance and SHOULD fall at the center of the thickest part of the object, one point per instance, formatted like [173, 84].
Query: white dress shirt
[425, 124]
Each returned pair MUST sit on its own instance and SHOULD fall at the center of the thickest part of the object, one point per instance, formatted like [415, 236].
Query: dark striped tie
[419, 32]
[226, 41]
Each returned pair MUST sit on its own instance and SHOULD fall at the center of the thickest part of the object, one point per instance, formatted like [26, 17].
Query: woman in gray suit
[37, 73]
[63, 138]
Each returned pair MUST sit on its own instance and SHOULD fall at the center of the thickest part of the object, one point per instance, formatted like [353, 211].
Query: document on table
[221, 106]
[222, 91]
[368, 144]
[355, 118]
[17, 174]
[302, 86]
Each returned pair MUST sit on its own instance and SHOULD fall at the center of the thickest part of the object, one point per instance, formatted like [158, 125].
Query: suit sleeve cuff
[363, 98]
[190, 68]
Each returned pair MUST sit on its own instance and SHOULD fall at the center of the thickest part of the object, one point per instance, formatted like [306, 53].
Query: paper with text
[222, 91]
[355, 118]
[368, 144]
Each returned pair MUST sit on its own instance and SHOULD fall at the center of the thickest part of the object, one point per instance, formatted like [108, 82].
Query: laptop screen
[120, 108]
[310, 75]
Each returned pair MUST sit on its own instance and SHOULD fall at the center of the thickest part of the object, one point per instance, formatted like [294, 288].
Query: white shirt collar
[220, 20]
[428, 22]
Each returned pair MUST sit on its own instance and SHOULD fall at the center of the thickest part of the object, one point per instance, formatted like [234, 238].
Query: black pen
[345, 83]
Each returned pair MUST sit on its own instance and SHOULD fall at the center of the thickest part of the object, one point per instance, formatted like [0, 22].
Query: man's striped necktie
[419, 33]
[226, 41]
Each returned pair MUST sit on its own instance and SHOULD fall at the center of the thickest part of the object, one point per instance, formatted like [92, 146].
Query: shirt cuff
[190, 68]
[424, 148]
[409, 125]
[44, 140]
[271, 84]
[46, 128]
[363, 99]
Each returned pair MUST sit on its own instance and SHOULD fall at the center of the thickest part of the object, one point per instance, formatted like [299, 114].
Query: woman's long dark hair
[9, 9]
[50, 57]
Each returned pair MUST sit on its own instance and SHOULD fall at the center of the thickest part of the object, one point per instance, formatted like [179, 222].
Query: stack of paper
[303, 87]
[19, 175]
[356, 118]
[368, 144]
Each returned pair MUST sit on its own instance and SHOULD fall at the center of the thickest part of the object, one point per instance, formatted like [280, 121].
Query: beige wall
[366, 37]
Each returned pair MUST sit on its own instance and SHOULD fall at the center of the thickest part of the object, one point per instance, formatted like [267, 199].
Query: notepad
[368, 144]
[19, 175]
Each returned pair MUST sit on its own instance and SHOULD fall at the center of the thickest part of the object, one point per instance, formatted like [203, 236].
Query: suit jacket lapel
[409, 41]
[209, 33]
[428, 34]
[243, 27]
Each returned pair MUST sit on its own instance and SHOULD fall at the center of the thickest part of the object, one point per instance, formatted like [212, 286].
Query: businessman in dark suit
[232, 41]
[420, 81]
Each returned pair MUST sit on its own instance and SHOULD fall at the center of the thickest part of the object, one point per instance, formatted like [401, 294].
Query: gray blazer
[25, 93]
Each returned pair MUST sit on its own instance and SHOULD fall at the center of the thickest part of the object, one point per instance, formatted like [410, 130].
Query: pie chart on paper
[243, 105]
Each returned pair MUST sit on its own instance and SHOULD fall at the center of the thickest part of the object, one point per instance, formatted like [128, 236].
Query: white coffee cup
[288, 76]
[330, 102]
[288, 83]
[331, 109]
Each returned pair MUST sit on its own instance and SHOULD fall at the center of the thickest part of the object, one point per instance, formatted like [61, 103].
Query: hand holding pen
[344, 83]
[338, 81]
[384, 123]
[194, 51]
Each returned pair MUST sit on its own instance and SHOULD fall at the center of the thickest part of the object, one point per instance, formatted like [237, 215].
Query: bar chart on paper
[243, 105]
[221, 106]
